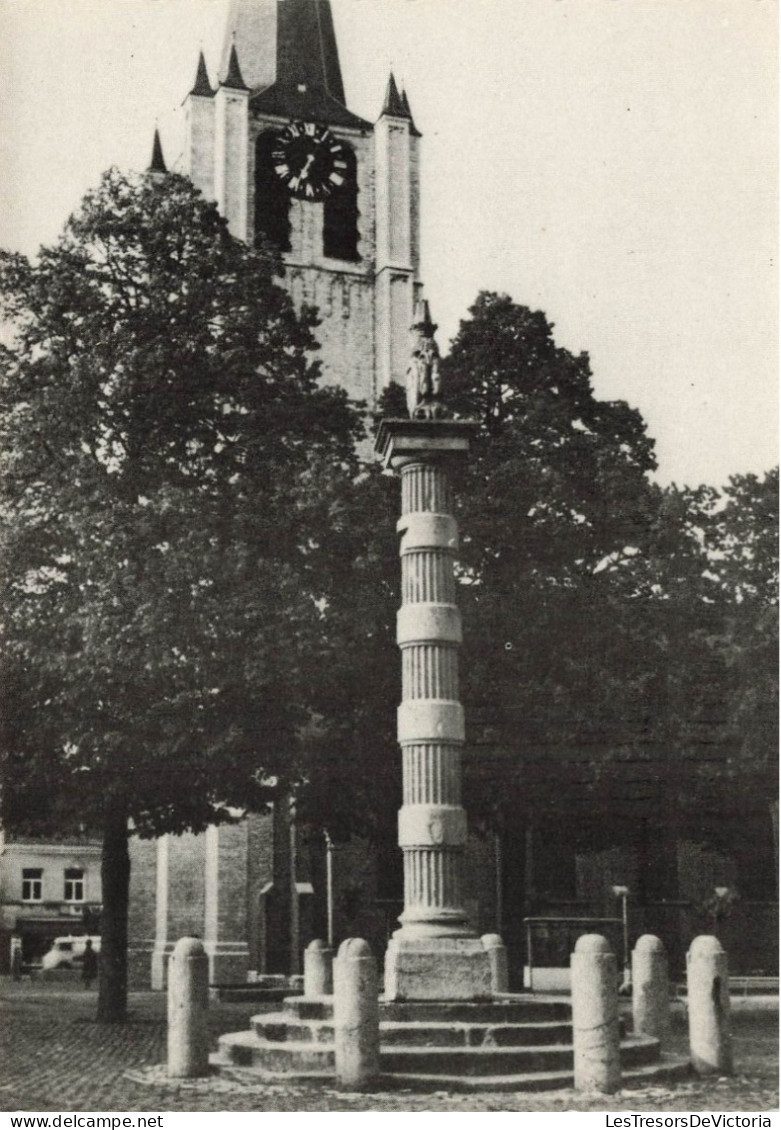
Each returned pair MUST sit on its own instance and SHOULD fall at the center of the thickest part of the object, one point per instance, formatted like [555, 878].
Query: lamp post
[720, 904]
[623, 894]
[329, 885]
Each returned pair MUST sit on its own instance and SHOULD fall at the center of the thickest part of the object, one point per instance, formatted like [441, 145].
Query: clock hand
[305, 170]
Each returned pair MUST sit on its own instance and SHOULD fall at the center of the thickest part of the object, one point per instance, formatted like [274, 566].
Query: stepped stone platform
[512, 1043]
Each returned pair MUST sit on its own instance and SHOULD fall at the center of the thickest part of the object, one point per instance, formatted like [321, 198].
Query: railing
[530, 923]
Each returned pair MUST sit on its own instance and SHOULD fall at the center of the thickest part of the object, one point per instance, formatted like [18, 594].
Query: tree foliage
[742, 545]
[170, 464]
[555, 507]
[602, 660]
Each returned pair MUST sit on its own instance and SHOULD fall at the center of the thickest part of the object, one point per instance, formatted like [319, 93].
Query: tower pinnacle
[157, 164]
[233, 79]
[393, 105]
[202, 87]
[408, 113]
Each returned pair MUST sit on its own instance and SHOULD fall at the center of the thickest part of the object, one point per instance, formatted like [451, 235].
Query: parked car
[69, 951]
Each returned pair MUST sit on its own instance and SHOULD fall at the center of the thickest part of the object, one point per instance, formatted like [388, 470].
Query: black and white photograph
[389, 560]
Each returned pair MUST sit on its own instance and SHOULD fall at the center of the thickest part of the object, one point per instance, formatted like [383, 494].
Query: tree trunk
[115, 877]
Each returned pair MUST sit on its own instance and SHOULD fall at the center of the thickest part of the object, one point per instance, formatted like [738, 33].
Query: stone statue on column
[424, 383]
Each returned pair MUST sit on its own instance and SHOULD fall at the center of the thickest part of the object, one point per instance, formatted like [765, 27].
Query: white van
[68, 951]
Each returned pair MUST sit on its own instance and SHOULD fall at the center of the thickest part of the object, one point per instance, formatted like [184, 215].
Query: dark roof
[233, 80]
[393, 104]
[405, 103]
[309, 78]
[157, 164]
[202, 87]
[396, 105]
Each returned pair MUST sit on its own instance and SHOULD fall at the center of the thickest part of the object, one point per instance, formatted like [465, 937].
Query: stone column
[595, 1032]
[707, 991]
[356, 1016]
[650, 988]
[318, 969]
[188, 1002]
[436, 954]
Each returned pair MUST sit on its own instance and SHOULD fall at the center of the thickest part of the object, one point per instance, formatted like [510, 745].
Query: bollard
[497, 956]
[318, 969]
[356, 1016]
[650, 988]
[707, 985]
[188, 1000]
[595, 1032]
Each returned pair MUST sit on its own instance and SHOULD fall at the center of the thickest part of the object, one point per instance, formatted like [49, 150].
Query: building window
[74, 885]
[32, 884]
[340, 216]
[272, 199]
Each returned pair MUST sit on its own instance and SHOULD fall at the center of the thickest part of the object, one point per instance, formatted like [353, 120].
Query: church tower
[274, 144]
[270, 139]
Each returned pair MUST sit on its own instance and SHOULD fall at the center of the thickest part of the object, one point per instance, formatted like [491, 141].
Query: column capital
[401, 442]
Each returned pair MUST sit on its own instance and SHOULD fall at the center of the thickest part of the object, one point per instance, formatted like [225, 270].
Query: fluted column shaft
[432, 823]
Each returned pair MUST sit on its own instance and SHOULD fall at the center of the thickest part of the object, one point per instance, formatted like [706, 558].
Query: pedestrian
[89, 968]
[16, 963]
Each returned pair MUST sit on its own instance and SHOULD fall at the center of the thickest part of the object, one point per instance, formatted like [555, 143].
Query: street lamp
[623, 894]
[720, 905]
[329, 886]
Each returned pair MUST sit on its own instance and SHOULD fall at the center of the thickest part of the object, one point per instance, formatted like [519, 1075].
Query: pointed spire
[291, 60]
[393, 105]
[233, 79]
[408, 114]
[202, 88]
[157, 164]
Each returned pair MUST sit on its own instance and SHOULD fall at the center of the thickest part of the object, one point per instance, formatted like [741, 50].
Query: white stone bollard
[318, 969]
[188, 1002]
[650, 988]
[595, 1031]
[707, 985]
[356, 1016]
[497, 956]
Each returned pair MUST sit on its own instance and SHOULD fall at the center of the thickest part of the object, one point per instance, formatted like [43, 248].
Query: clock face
[310, 160]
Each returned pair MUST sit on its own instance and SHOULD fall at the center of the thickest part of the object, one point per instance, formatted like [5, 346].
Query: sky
[610, 162]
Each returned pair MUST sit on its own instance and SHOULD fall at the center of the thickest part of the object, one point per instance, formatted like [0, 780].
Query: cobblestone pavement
[56, 1058]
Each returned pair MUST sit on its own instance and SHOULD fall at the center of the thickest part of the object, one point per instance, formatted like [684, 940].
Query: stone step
[252, 994]
[501, 1011]
[246, 1049]
[494, 1061]
[444, 1034]
[667, 1068]
[309, 1008]
[280, 1028]
[254, 1074]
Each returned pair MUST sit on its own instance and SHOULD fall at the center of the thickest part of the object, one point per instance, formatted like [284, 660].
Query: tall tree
[742, 546]
[556, 505]
[170, 462]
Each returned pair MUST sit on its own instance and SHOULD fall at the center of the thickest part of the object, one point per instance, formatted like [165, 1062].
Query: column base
[161, 955]
[228, 962]
[436, 969]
